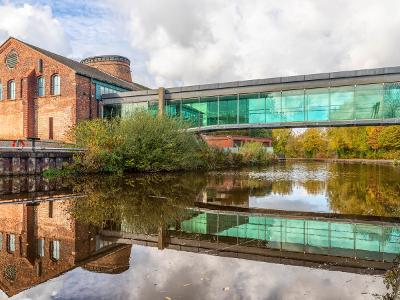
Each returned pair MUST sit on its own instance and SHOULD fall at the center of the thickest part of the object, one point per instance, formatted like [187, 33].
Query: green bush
[254, 153]
[140, 143]
[144, 143]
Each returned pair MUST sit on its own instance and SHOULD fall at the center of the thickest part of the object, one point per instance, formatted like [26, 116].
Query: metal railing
[35, 145]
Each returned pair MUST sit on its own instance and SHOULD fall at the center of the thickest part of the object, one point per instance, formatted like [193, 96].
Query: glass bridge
[366, 97]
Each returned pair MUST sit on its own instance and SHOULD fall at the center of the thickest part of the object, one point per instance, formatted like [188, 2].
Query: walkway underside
[212, 128]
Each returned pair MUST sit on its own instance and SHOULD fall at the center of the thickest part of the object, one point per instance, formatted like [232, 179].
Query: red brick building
[43, 94]
[233, 141]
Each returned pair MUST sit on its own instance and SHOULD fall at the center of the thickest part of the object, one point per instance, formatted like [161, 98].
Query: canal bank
[347, 160]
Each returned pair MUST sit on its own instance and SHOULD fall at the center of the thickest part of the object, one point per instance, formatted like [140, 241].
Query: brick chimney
[114, 65]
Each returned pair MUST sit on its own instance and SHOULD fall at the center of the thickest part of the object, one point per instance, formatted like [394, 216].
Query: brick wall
[116, 68]
[28, 115]
[87, 106]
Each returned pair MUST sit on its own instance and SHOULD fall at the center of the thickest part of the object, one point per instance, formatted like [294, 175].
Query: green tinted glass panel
[209, 108]
[173, 108]
[111, 111]
[368, 102]
[293, 106]
[153, 107]
[273, 107]
[391, 100]
[315, 236]
[228, 109]
[251, 109]
[342, 103]
[317, 105]
[128, 109]
[191, 111]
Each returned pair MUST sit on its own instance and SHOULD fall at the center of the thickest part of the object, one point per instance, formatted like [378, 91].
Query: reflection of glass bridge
[330, 237]
[365, 97]
[347, 245]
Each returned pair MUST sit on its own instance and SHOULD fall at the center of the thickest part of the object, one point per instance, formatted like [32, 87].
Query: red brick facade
[24, 265]
[48, 117]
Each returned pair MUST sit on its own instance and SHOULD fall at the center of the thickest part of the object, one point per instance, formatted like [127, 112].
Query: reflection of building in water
[17, 188]
[41, 241]
[359, 245]
[234, 190]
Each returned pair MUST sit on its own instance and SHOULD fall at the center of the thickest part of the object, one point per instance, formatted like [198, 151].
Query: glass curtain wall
[358, 102]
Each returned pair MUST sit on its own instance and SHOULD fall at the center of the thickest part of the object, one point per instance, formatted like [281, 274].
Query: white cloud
[181, 42]
[34, 24]
[192, 42]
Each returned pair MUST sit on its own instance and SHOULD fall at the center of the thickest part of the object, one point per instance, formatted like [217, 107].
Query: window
[21, 91]
[55, 250]
[11, 89]
[1, 241]
[40, 65]
[55, 84]
[40, 244]
[10, 242]
[12, 60]
[1, 91]
[41, 86]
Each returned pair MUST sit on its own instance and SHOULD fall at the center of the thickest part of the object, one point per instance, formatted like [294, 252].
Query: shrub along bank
[143, 143]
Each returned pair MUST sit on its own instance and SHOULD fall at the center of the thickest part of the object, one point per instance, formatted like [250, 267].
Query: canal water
[294, 230]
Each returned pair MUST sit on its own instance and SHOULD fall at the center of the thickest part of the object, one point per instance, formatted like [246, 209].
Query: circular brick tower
[114, 65]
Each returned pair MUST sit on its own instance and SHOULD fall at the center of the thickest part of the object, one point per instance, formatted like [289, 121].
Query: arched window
[55, 84]
[11, 89]
[41, 86]
[55, 250]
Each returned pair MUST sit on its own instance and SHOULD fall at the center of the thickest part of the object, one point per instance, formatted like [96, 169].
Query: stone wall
[15, 163]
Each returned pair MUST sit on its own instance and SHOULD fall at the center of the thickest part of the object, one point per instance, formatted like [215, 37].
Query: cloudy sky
[155, 274]
[182, 42]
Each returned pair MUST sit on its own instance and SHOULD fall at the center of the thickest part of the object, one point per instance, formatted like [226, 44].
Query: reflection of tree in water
[364, 189]
[142, 202]
[282, 187]
[314, 187]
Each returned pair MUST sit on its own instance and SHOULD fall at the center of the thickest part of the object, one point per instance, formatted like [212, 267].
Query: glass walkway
[367, 97]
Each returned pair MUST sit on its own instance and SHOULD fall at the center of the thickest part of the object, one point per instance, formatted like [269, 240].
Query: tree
[280, 139]
[389, 138]
[314, 142]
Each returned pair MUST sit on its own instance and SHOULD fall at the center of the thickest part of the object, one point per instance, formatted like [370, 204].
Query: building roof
[85, 70]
